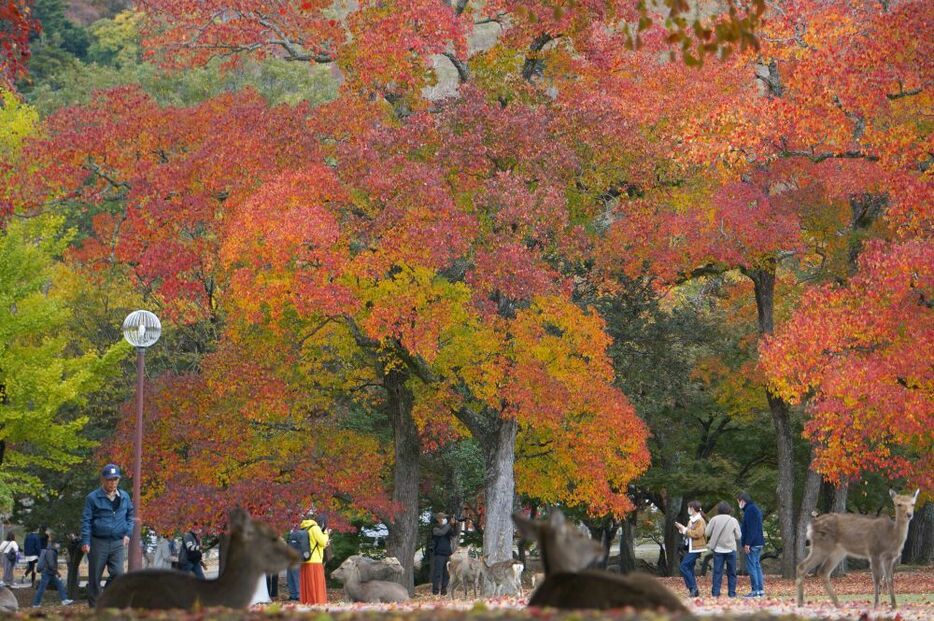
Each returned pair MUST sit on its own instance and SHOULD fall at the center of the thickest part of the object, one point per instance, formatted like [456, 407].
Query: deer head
[904, 505]
[260, 541]
[563, 548]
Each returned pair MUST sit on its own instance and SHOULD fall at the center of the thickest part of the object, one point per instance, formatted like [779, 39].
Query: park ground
[914, 589]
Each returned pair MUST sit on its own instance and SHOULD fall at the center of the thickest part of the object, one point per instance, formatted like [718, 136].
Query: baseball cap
[111, 471]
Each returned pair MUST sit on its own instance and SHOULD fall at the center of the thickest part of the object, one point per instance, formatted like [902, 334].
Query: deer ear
[238, 519]
[892, 494]
[528, 529]
[556, 519]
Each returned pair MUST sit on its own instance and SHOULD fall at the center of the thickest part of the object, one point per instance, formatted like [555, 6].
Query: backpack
[43, 562]
[298, 539]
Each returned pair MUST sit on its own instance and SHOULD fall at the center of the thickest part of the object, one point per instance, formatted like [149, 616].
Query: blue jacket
[752, 526]
[100, 520]
[31, 546]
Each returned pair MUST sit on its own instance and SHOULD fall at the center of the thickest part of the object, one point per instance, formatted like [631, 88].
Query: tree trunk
[403, 527]
[673, 505]
[812, 486]
[840, 493]
[919, 547]
[627, 547]
[764, 281]
[523, 544]
[499, 452]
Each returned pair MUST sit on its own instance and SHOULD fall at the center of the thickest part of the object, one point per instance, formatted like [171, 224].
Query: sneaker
[695, 593]
[67, 602]
[760, 594]
[751, 595]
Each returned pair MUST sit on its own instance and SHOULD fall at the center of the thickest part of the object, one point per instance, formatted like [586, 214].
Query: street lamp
[141, 329]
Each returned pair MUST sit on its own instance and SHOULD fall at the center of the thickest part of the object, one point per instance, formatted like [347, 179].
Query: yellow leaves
[17, 121]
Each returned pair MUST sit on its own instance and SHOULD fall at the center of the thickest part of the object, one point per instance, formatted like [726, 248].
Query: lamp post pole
[136, 553]
[141, 329]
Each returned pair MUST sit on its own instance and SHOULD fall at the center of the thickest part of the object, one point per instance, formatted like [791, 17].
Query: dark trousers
[687, 571]
[719, 560]
[292, 577]
[43, 583]
[439, 574]
[272, 585]
[194, 568]
[109, 553]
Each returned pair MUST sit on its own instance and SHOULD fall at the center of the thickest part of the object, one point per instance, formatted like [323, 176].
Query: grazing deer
[371, 592]
[465, 571]
[565, 554]
[834, 536]
[255, 549]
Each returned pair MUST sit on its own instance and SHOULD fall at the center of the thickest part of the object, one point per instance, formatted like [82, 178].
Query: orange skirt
[311, 586]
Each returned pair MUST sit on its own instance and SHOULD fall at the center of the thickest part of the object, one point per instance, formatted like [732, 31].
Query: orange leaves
[284, 248]
[862, 353]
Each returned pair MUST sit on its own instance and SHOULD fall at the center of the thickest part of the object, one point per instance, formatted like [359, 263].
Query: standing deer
[568, 585]
[465, 571]
[834, 536]
[255, 549]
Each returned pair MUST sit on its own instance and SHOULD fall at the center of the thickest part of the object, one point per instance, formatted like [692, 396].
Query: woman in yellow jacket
[311, 586]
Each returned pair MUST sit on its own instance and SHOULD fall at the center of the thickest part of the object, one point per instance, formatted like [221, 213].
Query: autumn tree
[793, 139]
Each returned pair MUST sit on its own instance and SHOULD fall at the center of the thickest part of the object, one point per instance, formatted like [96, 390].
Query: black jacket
[441, 539]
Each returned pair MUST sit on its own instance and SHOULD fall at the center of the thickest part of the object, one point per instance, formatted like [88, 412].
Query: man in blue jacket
[106, 525]
[753, 541]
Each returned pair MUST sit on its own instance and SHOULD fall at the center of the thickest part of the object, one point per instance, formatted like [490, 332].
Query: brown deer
[834, 536]
[568, 585]
[255, 549]
[372, 591]
[466, 572]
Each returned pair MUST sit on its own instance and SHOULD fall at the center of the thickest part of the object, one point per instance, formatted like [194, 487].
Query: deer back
[601, 590]
[254, 549]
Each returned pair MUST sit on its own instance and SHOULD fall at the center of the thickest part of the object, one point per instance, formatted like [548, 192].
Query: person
[753, 541]
[73, 547]
[162, 557]
[9, 552]
[31, 550]
[48, 570]
[191, 556]
[722, 536]
[106, 525]
[441, 534]
[311, 585]
[696, 541]
[300, 544]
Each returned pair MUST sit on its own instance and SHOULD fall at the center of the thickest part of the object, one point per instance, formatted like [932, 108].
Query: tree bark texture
[627, 545]
[673, 506]
[919, 547]
[403, 527]
[499, 452]
[764, 282]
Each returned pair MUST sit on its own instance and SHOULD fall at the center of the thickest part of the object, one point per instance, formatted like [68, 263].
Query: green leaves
[43, 366]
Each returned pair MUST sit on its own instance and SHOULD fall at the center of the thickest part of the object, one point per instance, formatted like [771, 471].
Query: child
[48, 568]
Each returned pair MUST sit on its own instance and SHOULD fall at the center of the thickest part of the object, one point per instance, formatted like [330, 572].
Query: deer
[569, 585]
[504, 576]
[370, 592]
[465, 572]
[255, 549]
[834, 536]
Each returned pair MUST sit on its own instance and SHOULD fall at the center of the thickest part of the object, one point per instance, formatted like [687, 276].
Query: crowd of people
[106, 526]
[108, 516]
[723, 536]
